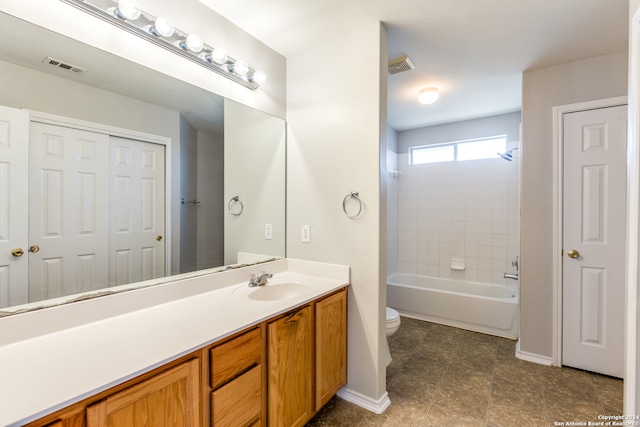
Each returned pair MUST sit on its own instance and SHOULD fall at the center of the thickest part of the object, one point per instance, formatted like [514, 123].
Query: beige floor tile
[338, 413]
[402, 412]
[609, 392]
[440, 416]
[568, 382]
[500, 414]
[444, 376]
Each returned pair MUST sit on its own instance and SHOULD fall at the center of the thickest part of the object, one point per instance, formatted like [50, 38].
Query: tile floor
[443, 376]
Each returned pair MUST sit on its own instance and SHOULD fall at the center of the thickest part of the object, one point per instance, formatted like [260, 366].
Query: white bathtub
[480, 307]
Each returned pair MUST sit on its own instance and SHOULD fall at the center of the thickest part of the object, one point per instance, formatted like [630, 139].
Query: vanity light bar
[189, 46]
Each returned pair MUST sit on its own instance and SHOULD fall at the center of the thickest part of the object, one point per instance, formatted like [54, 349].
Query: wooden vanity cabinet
[331, 346]
[291, 368]
[277, 373]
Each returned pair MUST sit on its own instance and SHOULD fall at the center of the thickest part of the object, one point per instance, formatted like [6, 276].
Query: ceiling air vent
[401, 64]
[63, 65]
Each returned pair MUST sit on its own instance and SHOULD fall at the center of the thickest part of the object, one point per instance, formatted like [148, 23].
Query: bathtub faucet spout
[511, 276]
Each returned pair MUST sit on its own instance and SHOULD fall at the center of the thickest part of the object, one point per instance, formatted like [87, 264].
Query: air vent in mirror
[63, 65]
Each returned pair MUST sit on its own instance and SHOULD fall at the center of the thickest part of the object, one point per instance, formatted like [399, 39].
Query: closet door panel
[14, 226]
[68, 215]
[137, 201]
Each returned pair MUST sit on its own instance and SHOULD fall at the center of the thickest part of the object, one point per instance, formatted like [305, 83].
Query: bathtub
[480, 307]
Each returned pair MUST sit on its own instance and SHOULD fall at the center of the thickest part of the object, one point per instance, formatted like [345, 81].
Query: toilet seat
[393, 318]
[392, 315]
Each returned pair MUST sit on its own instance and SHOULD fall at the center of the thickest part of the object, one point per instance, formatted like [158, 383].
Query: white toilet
[393, 323]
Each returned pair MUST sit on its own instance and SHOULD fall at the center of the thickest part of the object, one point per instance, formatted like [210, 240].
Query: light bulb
[127, 9]
[428, 95]
[218, 56]
[258, 76]
[162, 27]
[193, 43]
[240, 67]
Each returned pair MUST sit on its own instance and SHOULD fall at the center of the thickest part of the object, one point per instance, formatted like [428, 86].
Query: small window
[443, 153]
[473, 149]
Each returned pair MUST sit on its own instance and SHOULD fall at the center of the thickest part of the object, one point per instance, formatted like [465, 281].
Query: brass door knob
[33, 249]
[159, 238]
[17, 252]
[573, 254]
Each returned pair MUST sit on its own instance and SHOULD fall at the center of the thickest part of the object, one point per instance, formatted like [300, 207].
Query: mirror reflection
[118, 174]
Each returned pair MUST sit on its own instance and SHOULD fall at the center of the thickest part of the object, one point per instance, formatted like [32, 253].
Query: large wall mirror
[182, 182]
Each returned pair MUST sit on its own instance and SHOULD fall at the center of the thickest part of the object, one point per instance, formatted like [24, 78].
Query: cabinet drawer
[234, 357]
[239, 403]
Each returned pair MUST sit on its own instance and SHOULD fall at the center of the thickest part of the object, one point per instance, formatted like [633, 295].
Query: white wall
[256, 174]
[392, 200]
[632, 363]
[210, 211]
[336, 140]
[589, 79]
[188, 191]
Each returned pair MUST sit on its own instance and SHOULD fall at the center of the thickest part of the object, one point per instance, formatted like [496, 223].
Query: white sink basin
[274, 290]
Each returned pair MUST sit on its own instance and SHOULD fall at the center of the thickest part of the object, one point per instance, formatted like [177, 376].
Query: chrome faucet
[260, 280]
[511, 276]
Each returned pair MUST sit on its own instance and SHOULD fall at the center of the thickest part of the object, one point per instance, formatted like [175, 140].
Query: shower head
[508, 156]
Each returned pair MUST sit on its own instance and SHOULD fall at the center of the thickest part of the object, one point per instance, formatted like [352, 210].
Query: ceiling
[473, 51]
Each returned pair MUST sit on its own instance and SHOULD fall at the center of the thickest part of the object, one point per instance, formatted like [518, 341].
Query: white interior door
[68, 215]
[594, 240]
[137, 247]
[14, 224]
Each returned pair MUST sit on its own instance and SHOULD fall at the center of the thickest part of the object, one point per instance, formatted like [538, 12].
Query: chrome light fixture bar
[126, 15]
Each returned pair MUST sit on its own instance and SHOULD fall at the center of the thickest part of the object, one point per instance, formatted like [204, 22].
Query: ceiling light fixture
[162, 27]
[127, 9]
[128, 16]
[428, 95]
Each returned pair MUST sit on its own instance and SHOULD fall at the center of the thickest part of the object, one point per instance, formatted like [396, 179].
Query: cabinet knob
[33, 249]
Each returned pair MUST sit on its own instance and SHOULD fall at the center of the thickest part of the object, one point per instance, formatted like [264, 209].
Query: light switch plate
[268, 231]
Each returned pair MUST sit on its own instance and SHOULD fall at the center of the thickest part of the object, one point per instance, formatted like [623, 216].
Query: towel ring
[352, 195]
[234, 200]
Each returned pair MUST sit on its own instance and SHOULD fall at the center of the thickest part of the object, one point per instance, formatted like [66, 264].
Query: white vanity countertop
[55, 357]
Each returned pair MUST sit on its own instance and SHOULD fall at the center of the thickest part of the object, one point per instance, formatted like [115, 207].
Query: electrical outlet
[306, 234]
[268, 231]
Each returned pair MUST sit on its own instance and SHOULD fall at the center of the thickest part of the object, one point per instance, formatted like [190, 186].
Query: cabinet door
[331, 346]
[290, 369]
[169, 399]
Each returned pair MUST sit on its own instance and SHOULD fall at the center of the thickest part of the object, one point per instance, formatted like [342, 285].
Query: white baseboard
[530, 357]
[375, 406]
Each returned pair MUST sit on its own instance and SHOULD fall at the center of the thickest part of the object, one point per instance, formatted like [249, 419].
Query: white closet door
[68, 214]
[14, 225]
[137, 247]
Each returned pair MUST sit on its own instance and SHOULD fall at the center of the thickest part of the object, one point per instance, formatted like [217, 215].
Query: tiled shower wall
[468, 210]
[392, 212]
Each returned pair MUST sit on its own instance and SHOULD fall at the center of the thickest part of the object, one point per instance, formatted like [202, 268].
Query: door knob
[573, 254]
[17, 252]
[159, 238]
[33, 249]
